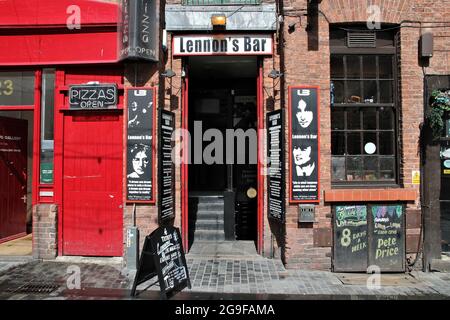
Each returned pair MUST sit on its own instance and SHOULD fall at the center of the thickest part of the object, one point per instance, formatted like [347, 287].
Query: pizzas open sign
[93, 96]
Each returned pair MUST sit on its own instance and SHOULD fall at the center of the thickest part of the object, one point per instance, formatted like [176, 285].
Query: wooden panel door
[13, 177]
[92, 184]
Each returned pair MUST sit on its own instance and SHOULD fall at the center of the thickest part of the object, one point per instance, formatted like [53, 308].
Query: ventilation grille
[361, 39]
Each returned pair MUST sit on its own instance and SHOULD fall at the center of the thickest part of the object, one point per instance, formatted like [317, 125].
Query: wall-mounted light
[219, 20]
[169, 73]
[274, 74]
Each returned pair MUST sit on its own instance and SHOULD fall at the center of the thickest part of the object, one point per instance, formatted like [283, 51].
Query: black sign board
[139, 30]
[387, 240]
[166, 174]
[163, 255]
[93, 96]
[275, 155]
[350, 238]
[304, 144]
[140, 144]
[17, 88]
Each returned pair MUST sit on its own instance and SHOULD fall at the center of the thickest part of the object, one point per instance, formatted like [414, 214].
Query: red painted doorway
[92, 184]
[13, 178]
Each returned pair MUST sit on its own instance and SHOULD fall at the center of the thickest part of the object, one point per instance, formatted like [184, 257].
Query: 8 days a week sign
[217, 44]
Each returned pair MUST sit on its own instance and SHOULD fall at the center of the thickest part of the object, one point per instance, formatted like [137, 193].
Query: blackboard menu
[387, 241]
[163, 255]
[166, 167]
[140, 144]
[350, 238]
[275, 155]
[304, 144]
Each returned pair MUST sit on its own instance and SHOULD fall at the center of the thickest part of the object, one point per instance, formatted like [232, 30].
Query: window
[17, 88]
[363, 117]
[47, 121]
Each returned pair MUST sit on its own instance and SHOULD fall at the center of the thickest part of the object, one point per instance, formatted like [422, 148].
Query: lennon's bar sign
[93, 96]
[239, 44]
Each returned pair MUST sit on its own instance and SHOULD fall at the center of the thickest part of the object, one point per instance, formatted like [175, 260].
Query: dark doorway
[222, 173]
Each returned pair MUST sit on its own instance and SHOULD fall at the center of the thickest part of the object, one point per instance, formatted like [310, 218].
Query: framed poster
[304, 144]
[140, 145]
[275, 169]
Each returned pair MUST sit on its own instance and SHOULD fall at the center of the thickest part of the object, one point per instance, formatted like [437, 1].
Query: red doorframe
[184, 164]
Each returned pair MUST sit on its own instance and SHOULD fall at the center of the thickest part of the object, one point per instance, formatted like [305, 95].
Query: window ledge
[359, 195]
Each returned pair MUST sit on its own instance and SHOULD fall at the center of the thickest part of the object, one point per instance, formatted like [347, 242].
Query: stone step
[209, 225]
[210, 215]
[206, 199]
[209, 235]
[210, 207]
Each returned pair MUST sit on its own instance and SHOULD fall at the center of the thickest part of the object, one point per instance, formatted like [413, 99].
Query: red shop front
[56, 164]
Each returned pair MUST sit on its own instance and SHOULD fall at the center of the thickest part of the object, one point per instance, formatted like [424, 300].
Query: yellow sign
[416, 177]
[446, 171]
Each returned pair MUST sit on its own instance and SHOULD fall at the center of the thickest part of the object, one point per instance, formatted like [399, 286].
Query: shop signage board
[387, 240]
[275, 155]
[350, 238]
[222, 44]
[139, 30]
[163, 256]
[140, 104]
[93, 97]
[304, 142]
[166, 174]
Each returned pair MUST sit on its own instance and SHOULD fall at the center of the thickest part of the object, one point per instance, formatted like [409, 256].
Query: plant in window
[440, 104]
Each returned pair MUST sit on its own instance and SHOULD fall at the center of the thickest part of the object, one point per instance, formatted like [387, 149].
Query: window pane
[386, 118]
[387, 143]
[354, 168]
[354, 143]
[337, 143]
[370, 168]
[17, 88]
[353, 119]
[338, 168]
[47, 120]
[386, 89]
[353, 92]
[370, 119]
[353, 67]
[370, 138]
[387, 168]
[369, 67]
[370, 91]
[385, 65]
[337, 119]
[337, 66]
[338, 92]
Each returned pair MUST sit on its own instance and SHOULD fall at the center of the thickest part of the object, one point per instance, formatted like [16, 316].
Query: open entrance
[16, 163]
[222, 172]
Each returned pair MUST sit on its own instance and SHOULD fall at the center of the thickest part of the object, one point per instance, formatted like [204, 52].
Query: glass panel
[354, 143]
[385, 65]
[370, 119]
[353, 119]
[17, 88]
[338, 91]
[353, 92]
[337, 66]
[370, 91]
[370, 143]
[386, 118]
[47, 121]
[338, 168]
[370, 168]
[337, 143]
[387, 168]
[353, 67]
[369, 67]
[337, 119]
[386, 89]
[354, 168]
[387, 143]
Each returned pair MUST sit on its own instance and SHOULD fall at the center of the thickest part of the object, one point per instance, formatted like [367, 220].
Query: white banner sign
[239, 44]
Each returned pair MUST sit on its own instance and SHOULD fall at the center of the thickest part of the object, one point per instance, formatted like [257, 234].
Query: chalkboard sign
[166, 209]
[304, 144]
[163, 255]
[140, 144]
[275, 155]
[350, 238]
[387, 241]
[93, 97]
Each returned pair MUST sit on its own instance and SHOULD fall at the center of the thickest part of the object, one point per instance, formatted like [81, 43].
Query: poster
[166, 174]
[140, 144]
[304, 144]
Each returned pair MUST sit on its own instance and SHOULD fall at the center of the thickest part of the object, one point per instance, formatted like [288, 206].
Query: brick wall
[45, 226]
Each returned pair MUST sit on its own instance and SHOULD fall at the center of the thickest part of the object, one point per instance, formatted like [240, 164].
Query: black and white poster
[166, 167]
[275, 155]
[304, 144]
[140, 144]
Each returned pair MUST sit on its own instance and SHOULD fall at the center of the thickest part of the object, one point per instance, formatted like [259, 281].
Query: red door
[13, 178]
[92, 184]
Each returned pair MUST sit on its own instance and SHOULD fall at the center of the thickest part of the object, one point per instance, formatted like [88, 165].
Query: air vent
[361, 39]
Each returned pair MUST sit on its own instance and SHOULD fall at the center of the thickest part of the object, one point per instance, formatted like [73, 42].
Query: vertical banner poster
[140, 104]
[275, 155]
[304, 144]
[166, 176]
